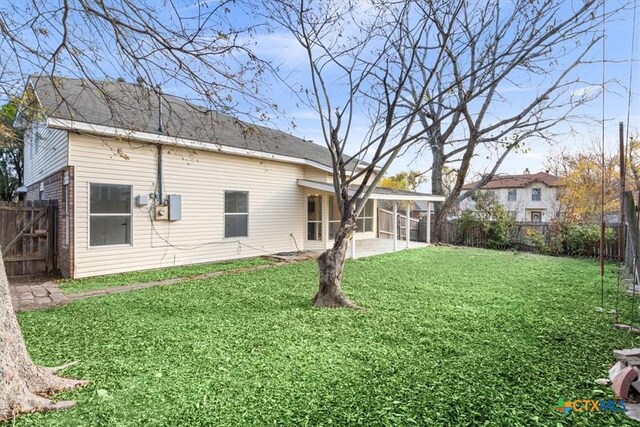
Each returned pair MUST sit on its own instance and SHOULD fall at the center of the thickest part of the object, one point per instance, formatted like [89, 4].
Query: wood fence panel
[28, 237]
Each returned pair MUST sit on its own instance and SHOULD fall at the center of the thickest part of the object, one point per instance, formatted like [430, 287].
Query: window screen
[110, 214]
[236, 214]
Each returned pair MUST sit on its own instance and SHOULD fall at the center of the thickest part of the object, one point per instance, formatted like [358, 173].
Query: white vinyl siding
[276, 208]
[45, 152]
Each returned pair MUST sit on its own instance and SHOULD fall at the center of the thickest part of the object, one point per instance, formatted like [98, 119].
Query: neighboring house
[528, 197]
[146, 181]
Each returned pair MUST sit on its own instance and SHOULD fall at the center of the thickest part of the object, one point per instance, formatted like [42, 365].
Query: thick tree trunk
[330, 268]
[23, 385]
[437, 188]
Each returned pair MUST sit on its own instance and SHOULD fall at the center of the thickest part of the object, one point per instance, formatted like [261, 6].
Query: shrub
[489, 223]
[536, 239]
[582, 239]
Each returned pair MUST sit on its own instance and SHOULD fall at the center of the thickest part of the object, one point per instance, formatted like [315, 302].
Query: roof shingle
[136, 107]
[518, 181]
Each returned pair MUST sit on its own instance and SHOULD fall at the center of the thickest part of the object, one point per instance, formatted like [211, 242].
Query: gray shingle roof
[135, 107]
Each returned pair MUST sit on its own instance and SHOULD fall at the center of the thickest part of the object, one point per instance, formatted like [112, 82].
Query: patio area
[369, 247]
[378, 246]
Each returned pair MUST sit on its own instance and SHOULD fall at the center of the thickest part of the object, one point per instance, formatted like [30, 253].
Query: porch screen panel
[364, 220]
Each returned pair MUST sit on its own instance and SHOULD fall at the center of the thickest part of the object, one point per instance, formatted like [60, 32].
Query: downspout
[160, 129]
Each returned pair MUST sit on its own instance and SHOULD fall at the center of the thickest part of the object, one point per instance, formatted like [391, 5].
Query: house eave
[374, 195]
[100, 130]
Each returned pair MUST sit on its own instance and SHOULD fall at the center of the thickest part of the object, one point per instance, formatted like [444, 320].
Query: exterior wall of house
[45, 152]
[59, 187]
[523, 206]
[277, 213]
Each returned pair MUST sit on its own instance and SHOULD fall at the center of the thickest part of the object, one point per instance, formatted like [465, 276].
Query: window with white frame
[536, 194]
[314, 217]
[110, 216]
[512, 195]
[364, 221]
[236, 214]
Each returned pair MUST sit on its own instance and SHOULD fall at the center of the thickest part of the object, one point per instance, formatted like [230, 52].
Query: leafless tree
[522, 59]
[200, 49]
[417, 70]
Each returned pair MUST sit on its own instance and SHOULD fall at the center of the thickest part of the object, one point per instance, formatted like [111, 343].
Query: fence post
[51, 236]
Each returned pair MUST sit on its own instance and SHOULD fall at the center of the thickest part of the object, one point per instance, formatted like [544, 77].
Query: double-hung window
[512, 195]
[236, 214]
[109, 214]
[536, 194]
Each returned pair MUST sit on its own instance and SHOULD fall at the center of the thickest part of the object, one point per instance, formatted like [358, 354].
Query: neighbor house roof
[102, 107]
[518, 181]
[379, 193]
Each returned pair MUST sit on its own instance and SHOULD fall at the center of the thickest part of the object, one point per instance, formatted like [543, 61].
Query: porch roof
[379, 193]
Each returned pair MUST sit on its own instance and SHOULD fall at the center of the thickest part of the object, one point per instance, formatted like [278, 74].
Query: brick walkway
[32, 296]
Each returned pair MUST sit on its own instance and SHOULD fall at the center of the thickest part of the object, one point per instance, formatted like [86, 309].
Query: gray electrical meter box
[175, 207]
[142, 200]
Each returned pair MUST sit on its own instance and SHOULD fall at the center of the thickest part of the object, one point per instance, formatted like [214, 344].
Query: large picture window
[110, 214]
[236, 213]
[364, 221]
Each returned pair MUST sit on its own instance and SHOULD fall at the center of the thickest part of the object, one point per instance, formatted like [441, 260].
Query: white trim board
[73, 125]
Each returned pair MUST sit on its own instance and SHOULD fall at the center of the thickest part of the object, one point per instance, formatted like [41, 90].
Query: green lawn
[70, 286]
[461, 337]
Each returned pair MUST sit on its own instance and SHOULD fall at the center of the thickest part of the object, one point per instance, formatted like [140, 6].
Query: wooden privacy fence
[521, 238]
[28, 237]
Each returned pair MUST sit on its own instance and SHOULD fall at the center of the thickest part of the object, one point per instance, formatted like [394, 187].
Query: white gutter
[375, 195]
[183, 142]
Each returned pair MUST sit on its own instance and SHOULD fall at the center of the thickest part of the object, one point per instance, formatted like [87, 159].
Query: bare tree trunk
[330, 266]
[437, 188]
[23, 385]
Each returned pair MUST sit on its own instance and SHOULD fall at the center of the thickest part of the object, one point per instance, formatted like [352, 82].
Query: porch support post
[395, 225]
[408, 229]
[429, 204]
[353, 246]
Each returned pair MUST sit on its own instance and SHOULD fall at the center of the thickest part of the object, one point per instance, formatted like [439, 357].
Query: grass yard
[70, 286]
[461, 337]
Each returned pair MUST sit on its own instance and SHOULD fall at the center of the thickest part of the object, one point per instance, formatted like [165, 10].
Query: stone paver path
[145, 285]
[45, 295]
[32, 296]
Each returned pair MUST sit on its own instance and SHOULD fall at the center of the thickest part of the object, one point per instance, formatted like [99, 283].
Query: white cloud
[281, 49]
[587, 92]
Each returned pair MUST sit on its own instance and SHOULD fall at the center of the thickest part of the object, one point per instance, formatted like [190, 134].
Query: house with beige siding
[146, 180]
